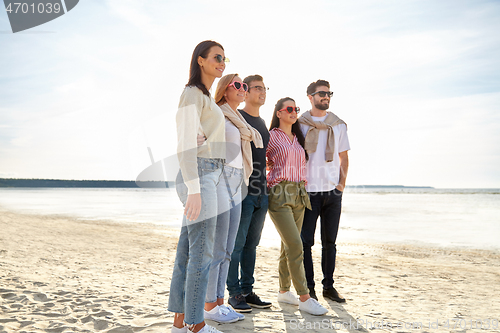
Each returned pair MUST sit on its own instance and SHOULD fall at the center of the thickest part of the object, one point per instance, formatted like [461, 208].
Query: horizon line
[160, 181]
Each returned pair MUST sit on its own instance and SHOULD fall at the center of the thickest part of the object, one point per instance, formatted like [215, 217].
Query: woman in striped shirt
[287, 202]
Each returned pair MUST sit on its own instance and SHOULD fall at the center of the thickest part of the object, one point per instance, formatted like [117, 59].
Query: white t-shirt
[234, 158]
[322, 176]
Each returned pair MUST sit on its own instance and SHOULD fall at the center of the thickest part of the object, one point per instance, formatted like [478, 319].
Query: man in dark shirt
[253, 210]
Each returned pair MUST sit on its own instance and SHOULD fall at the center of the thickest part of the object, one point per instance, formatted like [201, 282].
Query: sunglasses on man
[290, 109]
[323, 93]
[238, 85]
[260, 89]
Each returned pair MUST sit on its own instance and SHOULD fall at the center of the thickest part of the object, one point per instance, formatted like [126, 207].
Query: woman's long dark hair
[275, 122]
[201, 50]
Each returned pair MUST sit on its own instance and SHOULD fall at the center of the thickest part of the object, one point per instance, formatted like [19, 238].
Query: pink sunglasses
[237, 85]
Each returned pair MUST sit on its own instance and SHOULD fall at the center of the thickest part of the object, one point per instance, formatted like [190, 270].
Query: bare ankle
[196, 327]
[179, 320]
[210, 306]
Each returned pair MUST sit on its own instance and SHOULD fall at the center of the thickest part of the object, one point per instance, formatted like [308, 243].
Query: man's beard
[321, 106]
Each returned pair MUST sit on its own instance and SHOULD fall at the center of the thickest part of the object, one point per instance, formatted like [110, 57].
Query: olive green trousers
[287, 203]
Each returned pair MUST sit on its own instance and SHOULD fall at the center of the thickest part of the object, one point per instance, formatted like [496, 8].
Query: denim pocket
[208, 172]
[233, 182]
[207, 165]
[181, 188]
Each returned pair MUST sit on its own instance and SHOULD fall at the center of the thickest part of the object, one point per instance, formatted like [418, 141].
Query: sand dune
[58, 274]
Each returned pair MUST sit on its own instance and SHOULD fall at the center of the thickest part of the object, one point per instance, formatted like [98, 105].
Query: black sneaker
[312, 293]
[332, 294]
[254, 301]
[239, 304]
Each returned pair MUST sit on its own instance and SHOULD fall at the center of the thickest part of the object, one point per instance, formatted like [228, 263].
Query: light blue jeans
[195, 248]
[228, 221]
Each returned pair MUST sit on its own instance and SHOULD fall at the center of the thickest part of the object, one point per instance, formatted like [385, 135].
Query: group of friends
[233, 171]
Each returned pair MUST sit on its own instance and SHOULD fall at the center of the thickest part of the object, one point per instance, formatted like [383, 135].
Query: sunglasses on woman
[237, 85]
[323, 93]
[220, 59]
[290, 109]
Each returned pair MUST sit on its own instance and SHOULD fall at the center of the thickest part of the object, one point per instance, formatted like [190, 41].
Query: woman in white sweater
[200, 170]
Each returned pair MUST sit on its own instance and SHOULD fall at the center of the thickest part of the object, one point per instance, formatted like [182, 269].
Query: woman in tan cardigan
[237, 170]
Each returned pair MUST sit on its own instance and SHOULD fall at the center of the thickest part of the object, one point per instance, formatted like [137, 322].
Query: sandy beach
[59, 274]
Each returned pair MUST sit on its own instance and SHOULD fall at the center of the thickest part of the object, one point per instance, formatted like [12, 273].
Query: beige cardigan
[198, 114]
[247, 134]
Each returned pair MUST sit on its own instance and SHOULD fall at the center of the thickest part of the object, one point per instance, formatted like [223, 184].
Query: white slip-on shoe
[288, 297]
[207, 329]
[230, 308]
[179, 330]
[312, 306]
[221, 315]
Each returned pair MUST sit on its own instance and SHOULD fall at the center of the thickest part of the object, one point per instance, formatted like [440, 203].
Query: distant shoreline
[386, 186]
[65, 183]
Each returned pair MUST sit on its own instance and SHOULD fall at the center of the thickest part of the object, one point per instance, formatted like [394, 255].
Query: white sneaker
[288, 297]
[207, 329]
[221, 315]
[230, 308]
[313, 307]
[179, 330]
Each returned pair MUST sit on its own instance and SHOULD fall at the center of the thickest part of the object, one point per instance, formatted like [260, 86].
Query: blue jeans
[228, 221]
[253, 214]
[194, 250]
[327, 206]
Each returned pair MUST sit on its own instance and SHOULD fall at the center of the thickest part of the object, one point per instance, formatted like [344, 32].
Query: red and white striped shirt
[288, 158]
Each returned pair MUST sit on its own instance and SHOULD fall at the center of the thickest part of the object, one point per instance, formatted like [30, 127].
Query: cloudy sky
[417, 82]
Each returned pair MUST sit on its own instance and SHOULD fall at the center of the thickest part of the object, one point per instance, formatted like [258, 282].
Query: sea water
[467, 218]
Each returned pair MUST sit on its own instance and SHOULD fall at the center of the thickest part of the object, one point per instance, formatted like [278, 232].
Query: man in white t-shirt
[327, 144]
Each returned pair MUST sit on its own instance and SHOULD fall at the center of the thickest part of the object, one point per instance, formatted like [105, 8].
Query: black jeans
[327, 206]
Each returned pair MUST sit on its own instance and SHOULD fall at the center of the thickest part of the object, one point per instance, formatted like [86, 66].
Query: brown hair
[225, 81]
[312, 87]
[201, 50]
[275, 122]
[249, 79]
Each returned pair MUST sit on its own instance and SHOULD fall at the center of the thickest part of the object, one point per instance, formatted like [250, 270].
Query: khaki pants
[287, 203]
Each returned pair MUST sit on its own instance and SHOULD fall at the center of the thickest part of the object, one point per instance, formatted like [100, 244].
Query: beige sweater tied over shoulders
[247, 134]
[312, 134]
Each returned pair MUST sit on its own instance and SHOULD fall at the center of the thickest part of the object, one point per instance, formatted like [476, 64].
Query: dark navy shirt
[257, 183]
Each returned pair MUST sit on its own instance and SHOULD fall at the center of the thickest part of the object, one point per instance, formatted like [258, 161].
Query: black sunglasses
[290, 109]
[323, 93]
